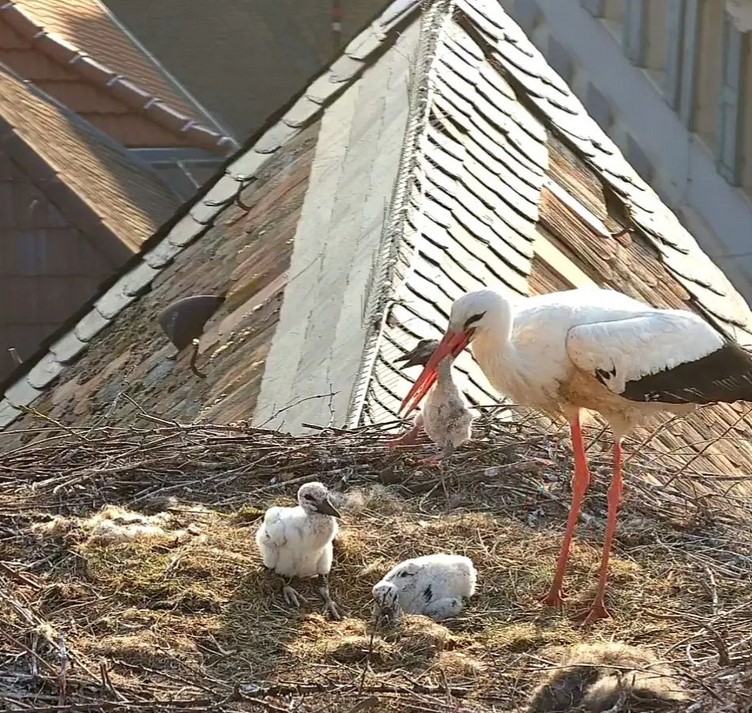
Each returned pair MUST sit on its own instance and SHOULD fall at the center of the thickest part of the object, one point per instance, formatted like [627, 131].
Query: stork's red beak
[452, 343]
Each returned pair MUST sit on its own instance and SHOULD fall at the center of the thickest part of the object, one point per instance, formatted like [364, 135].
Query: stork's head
[314, 498]
[472, 315]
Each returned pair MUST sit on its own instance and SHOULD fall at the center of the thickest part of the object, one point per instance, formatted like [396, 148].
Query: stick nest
[129, 579]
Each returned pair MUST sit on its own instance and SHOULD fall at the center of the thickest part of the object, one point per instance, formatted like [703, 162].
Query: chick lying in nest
[602, 677]
[435, 585]
[113, 525]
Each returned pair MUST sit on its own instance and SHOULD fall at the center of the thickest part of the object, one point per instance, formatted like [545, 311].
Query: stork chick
[297, 542]
[444, 416]
[433, 585]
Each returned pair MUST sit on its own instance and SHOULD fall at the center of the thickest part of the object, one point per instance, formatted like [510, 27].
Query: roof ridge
[100, 135]
[117, 85]
[177, 85]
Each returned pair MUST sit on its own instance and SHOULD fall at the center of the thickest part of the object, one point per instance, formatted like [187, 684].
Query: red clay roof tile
[77, 53]
[128, 200]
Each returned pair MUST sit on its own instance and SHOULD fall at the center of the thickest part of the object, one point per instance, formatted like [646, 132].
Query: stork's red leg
[580, 484]
[598, 608]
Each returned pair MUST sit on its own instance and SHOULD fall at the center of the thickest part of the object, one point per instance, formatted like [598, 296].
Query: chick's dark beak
[415, 357]
[326, 508]
[410, 359]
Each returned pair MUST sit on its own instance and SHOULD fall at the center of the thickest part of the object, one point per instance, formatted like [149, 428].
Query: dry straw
[188, 621]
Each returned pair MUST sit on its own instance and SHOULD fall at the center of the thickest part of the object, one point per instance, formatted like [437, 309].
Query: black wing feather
[724, 375]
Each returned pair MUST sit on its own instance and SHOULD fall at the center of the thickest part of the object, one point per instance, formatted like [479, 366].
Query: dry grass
[189, 619]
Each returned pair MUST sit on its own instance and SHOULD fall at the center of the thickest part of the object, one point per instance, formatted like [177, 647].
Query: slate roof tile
[22, 393]
[91, 325]
[45, 371]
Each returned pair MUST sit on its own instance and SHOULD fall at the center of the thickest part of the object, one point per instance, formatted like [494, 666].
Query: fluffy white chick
[297, 542]
[434, 585]
[444, 416]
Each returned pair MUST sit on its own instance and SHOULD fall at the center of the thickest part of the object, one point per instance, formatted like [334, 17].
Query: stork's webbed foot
[554, 597]
[589, 616]
[330, 606]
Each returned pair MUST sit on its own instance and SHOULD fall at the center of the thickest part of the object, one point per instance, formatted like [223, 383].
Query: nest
[181, 616]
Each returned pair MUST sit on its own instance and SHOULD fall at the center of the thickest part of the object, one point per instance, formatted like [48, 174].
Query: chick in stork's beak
[444, 415]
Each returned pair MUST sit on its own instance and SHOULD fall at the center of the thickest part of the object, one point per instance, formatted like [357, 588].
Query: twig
[295, 403]
[367, 662]
[62, 676]
[712, 588]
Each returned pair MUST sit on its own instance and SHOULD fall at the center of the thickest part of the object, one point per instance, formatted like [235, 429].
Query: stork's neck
[493, 346]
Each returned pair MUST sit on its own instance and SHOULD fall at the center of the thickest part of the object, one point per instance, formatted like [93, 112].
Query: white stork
[444, 415]
[595, 349]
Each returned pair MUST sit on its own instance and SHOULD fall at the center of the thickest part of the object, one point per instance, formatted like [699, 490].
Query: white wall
[627, 104]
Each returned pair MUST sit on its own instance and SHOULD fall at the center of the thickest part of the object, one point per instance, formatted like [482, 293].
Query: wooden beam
[675, 30]
[690, 50]
[595, 7]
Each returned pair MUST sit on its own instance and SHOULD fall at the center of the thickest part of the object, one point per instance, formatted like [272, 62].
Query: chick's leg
[291, 595]
[410, 437]
[329, 605]
[439, 459]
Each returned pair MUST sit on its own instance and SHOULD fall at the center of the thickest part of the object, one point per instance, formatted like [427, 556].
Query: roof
[461, 160]
[61, 153]
[270, 48]
[77, 53]
[219, 247]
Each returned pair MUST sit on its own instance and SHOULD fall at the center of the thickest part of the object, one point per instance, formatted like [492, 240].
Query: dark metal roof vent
[184, 320]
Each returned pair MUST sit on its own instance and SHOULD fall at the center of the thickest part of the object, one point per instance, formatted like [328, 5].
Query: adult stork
[593, 349]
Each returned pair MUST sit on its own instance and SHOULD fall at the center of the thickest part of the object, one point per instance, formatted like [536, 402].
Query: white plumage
[586, 348]
[297, 541]
[444, 415]
[433, 585]
[594, 349]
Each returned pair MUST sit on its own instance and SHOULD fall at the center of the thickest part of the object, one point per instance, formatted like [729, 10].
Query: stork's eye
[309, 497]
[404, 574]
[470, 321]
